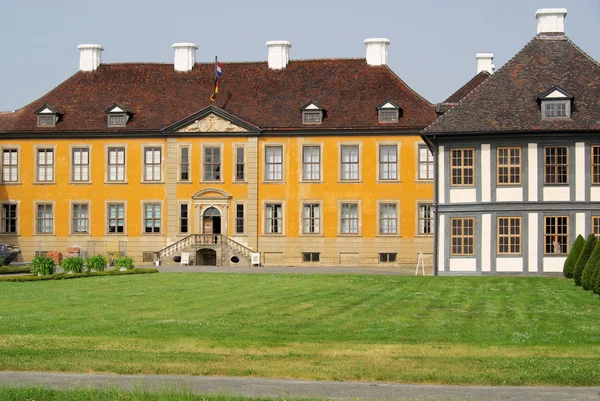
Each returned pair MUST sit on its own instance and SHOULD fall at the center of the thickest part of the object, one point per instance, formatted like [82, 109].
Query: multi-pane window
[239, 219]
[556, 165]
[311, 256]
[240, 166]
[509, 235]
[152, 217]
[555, 109]
[462, 236]
[9, 218]
[212, 163]
[80, 218]
[388, 162]
[273, 218]
[462, 165]
[311, 117]
[349, 162]
[274, 163]
[44, 219]
[388, 218]
[595, 164]
[425, 218]
[509, 166]
[184, 218]
[46, 120]
[596, 225]
[425, 163]
[45, 165]
[556, 234]
[387, 257]
[116, 164]
[116, 218]
[311, 218]
[117, 120]
[81, 164]
[152, 164]
[388, 116]
[311, 163]
[349, 218]
[10, 165]
[184, 163]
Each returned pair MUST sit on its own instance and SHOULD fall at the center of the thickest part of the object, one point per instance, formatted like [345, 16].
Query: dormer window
[118, 116]
[312, 113]
[47, 116]
[555, 103]
[388, 112]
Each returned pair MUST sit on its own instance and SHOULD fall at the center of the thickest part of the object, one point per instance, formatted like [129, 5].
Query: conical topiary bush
[596, 281]
[569, 267]
[589, 272]
[586, 252]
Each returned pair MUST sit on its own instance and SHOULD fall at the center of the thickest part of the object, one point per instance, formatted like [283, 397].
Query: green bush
[573, 255]
[596, 281]
[72, 265]
[589, 272]
[586, 252]
[124, 262]
[63, 276]
[14, 269]
[42, 266]
[96, 263]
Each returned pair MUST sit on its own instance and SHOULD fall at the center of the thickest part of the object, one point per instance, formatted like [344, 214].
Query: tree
[589, 272]
[573, 255]
[586, 252]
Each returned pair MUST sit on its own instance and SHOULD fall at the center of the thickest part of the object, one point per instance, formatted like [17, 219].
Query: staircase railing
[203, 239]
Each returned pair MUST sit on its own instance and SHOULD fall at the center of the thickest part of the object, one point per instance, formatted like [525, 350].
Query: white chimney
[484, 62]
[185, 56]
[279, 54]
[377, 51]
[90, 57]
[551, 20]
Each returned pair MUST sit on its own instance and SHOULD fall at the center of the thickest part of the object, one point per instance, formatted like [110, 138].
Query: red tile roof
[348, 89]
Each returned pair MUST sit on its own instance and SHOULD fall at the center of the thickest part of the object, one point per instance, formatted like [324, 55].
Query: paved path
[288, 270]
[251, 387]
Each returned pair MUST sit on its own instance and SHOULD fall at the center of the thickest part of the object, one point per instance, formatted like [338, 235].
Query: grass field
[455, 330]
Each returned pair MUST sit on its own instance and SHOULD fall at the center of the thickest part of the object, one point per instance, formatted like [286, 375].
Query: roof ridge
[467, 83]
[232, 62]
[583, 52]
[397, 77]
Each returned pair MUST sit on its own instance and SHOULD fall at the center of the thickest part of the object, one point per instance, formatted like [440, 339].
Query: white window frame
[52, 218]
[161, 223]
[72, 150]
[342, 216]
[343, 177]
[268, 218]
[13, 169]
[395, 231]
[317, 220]
[152, 172]
[107, 151]
[271, 173]
[219, 165]
[318, 164]
[116, 218]
[48, 178]
[72, 206]
[427, 163]
[381, 163]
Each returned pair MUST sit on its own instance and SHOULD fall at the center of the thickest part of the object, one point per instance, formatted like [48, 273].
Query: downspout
[435, 206]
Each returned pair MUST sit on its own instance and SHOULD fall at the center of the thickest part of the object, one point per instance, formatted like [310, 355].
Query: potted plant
[124, 263]
[42, 266]
[95, 263]
[73, 264]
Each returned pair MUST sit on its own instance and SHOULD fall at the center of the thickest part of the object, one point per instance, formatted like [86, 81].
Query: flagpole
[216, 79]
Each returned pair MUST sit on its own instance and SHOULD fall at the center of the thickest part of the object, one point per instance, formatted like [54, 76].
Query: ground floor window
[509, 235]
[349, 218]
[556, 234]
[80, 218]
[45, 219]
[273, 218]
[462, 236]
[239, 218]
[388, 218]
[387, 257]
[9, 218]
[596, 225]
[311, 216]
[425, 218]
[152, 218]
[116, 218]
[311, 256]
[184, 218]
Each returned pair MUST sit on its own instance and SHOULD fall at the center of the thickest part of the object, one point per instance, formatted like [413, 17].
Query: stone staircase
[226, 249]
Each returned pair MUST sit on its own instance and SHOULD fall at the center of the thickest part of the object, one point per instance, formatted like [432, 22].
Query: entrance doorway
[211, 221]
[206, 257]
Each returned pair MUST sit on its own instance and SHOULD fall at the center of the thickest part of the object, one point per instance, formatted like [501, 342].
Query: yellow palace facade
[310, 162]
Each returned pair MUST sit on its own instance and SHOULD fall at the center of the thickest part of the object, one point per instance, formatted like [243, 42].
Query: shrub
[14, 269]
[63, 276]
[587, 250]
[596, 281]
[124, 263]
[573, 255]
[73, 265]
[589, 272]
[97, 263]
[42, 266]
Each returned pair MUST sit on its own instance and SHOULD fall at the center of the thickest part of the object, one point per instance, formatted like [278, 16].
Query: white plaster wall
[580, 171]
[486, 234]
[441, 177]
[595, 194]
[556, 194]
[509, 194]
[579, 225]
[509, 264]
[463, 195]
[532, 263]
[441, 245]
[486, 186]
[532, 171]
[463, 265]
[554, 264]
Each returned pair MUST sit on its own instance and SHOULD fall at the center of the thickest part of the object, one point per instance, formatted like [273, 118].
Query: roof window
[555, 103]
[118, 116]
[47, 116]
[312, 113]
[388, 112]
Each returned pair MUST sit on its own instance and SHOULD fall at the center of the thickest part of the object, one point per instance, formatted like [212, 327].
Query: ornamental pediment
[211, 123]
[212, 119]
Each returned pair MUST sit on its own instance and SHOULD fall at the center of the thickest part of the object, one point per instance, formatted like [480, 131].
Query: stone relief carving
[212, 123]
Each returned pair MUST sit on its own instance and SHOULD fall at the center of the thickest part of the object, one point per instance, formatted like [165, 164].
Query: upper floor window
[350, 163]
[388, 162]
[462, 164]
[555, 103]
[152, 162]
[212, 163]
[388, 112]
[274, 163]
[10, 165]
[311, 163]
[596, 164]
[556, 165]
[509, 166]
[118, 115]
[184, 163]
[116, 164]
[45, 165]
[47, 116]
[81, 165]
[425, 163]
[240, 164]
[312, 113]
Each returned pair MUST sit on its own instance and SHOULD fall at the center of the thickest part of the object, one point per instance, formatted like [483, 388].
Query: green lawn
[455, 330]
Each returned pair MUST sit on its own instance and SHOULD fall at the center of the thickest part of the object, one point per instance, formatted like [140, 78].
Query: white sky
[433, 43]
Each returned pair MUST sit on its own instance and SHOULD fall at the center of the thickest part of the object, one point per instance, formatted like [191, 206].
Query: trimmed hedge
[64, 276]
[589, 272]
[14, 269]
[569, 267]
[596, 281]
[586, 252]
